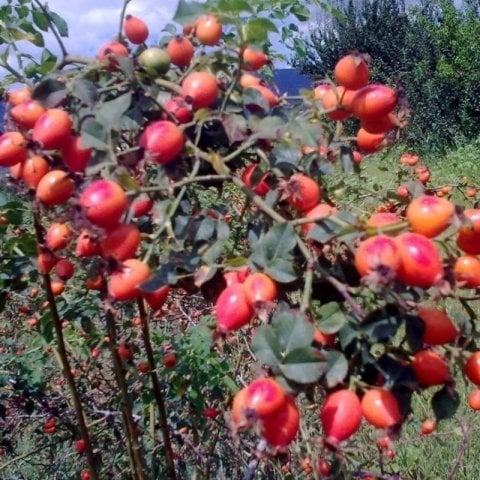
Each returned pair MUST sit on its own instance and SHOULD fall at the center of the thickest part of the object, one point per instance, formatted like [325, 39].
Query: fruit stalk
[122, 16]
[157, 392]
[62, 351]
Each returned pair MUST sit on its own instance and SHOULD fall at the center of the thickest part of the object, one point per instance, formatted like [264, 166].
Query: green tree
[427, 50]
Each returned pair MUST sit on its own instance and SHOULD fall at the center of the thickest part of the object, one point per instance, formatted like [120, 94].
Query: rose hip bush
[170, 206]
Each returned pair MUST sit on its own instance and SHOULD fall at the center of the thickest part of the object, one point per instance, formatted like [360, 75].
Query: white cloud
[91, 24]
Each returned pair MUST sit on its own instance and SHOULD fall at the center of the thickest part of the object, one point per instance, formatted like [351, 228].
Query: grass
[448, 453]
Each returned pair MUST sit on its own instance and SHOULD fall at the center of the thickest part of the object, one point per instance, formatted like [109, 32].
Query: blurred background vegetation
[428, 49]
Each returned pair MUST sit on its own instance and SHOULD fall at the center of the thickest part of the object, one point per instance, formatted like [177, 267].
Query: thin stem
[467, 432]
[233, 82]
[169, 85]
[18, 459]
[63, 355]
[139, 463]
[181, 183]
[245, 146]
[157, 392]
[343, 290]
[122, 16]
[308, 286]
[173, 208]
[10, 69]
[74, 59]
[259, 202]
[253, 464]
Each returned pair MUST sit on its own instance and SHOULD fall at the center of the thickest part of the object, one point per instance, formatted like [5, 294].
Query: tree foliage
[429, 50]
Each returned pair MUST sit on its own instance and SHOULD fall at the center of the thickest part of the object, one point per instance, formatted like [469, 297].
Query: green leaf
[273, 253]
[257, 29]
[110, 113]
[234, 6]
[253, 98]
[285, 156]
[125, 179]
[332, 318]
[445, 403]
[337, 368]
[300, 11]
[293, 330]
[303, 366]
[48, 62]
[281, 270]
[40, 20]
[269, 128]
[187, 12]
[94, 135]
[60, 23]
[347, 335]
[266, 347]
[325, 230]
[203, 275]
[236, 262]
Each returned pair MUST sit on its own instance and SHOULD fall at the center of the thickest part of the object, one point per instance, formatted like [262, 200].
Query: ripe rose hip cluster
[372, 104]
[419, 247]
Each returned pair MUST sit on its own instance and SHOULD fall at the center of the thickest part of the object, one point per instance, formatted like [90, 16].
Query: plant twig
[253, 464]
[131, 434]
[62, 352]
[122, 16]
[157, 392]
[467, 432]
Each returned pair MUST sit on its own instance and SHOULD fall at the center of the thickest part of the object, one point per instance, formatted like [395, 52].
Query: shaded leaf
[337, 368]
[415, 329]
[346, 159]
[166, 275]
[94, 135]
[382, 324]
[445, 403]
[85, 90]
[252, 98]
[50, 92]
[110, 113]
[325, 230]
